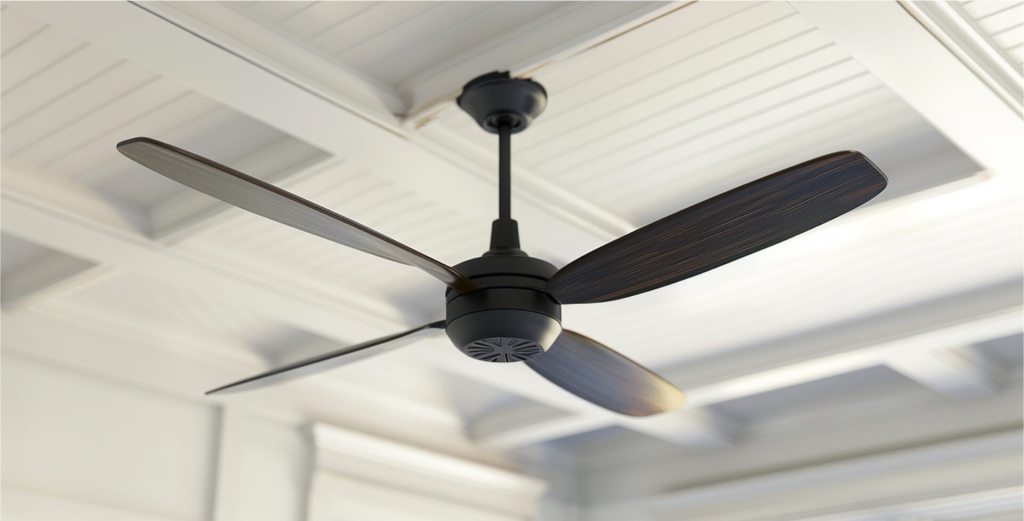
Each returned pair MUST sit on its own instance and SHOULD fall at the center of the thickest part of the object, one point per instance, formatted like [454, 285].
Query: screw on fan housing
[511, 316]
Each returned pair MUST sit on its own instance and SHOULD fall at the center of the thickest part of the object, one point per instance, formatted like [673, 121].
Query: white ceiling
[653, 107]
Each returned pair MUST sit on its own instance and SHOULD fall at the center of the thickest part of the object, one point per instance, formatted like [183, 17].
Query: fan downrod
[510, 317]
[496, 99]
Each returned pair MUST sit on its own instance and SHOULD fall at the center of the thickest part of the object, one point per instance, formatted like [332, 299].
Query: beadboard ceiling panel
[709, 97]
[66, 103]
[172, 312]
[873, 384]
[394, 210]
[1003, 24]
[396, 41]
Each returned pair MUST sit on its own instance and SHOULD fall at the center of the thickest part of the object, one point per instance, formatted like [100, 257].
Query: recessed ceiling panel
[30, 269]
[396, 41]
[369, 199]
[874, 384]
[1006, 353]
[66, 103]
[708, 97]
[161, 307]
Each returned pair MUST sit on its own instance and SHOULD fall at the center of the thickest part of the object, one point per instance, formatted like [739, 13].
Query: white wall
[78, 446]
[84, 446]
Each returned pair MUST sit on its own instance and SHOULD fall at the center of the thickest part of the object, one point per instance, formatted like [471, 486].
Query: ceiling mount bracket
[496, 98]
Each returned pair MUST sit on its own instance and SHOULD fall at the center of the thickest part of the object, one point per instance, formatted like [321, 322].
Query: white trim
[907, 58]
[964, 38]
[22, 505]
[409, 458]
[979, 504]
[839, 481]
[233, 30]
[79, 223]
[426, 473]
[52, 274]
[952, 370]
[432, 89]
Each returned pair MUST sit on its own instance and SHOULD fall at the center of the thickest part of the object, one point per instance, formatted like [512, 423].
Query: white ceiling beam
[831, 339]
[695, 428]
[512, 427]
[185, 367]
[78, 222]
[429, 473]
[963, 35]
[955, 372]
[142, 37]
[230, 29]
[615, 471]
[903, 54]
[830, 489]
[522, 423]
[965, 333]
[567, 30]
[46, 277]
[35, 504]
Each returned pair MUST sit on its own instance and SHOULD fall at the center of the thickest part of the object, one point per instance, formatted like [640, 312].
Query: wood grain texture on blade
[267, 200]
[327, 361]
[595, 372]
[722, 229]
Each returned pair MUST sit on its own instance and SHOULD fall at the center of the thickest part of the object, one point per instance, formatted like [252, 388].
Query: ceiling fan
[505, 306]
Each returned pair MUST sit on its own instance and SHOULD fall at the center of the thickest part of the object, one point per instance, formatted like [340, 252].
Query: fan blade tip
[137, 139]
[860, 156]
[230, 388]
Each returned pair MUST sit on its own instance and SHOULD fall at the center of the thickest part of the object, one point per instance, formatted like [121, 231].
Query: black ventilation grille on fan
[502, 349]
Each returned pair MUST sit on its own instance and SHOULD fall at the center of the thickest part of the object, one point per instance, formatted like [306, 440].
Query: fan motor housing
[511, 317]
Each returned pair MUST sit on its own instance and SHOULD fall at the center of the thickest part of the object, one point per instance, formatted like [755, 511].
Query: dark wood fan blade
[721, 229]
[328, 360]
[259, 197]
[585, 367]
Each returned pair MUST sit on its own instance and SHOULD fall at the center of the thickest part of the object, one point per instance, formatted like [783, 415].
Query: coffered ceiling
[907, 307]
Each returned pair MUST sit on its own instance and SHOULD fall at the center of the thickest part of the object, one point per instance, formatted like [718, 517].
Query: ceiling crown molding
[425, 472]
[952, 26]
